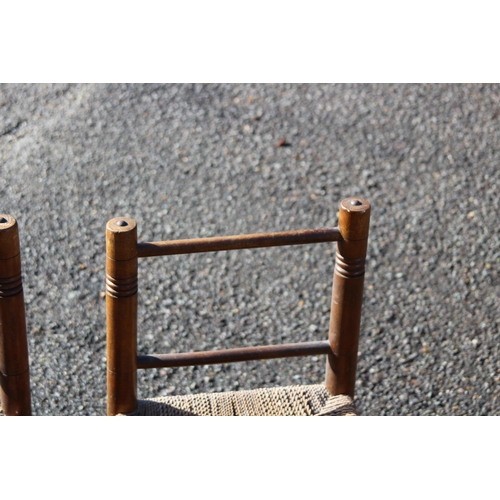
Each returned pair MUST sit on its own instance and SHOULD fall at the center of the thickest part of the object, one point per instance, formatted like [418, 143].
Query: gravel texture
[201, 160]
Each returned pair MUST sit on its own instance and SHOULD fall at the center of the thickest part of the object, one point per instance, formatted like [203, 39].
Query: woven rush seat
[300, 400]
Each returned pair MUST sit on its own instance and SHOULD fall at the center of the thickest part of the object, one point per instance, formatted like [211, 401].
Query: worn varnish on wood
[121, 315]
[347, 296]
[15, 394]
[234, 355]
[123, 251]
[239, 242]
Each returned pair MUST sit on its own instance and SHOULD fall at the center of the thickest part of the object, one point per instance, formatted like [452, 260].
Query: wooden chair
[333, 398]
[15, 397]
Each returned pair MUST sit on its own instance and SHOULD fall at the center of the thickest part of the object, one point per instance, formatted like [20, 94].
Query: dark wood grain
[14, 362]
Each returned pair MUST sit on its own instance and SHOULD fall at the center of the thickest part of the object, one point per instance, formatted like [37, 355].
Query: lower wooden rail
[233, 355]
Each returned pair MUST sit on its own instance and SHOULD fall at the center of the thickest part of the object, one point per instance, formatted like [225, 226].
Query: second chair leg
[347, 296]
[15, 394]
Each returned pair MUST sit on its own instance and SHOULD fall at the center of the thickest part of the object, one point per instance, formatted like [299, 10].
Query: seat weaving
[300, 400]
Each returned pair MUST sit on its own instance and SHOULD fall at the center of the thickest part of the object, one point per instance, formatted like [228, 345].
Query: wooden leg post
[121, 315]
[14, 362]
[347, 296]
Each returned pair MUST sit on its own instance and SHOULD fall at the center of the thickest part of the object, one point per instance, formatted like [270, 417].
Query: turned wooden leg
[121, 315]
[14, 363]
[347, 296]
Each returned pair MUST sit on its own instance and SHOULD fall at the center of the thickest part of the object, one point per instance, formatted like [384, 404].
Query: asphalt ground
[201, 160]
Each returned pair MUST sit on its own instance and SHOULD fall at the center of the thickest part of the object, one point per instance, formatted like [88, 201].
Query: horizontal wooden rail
[233, 355]
[176, 247]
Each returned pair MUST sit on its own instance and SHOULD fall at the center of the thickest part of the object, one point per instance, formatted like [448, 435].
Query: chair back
[341, 347]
